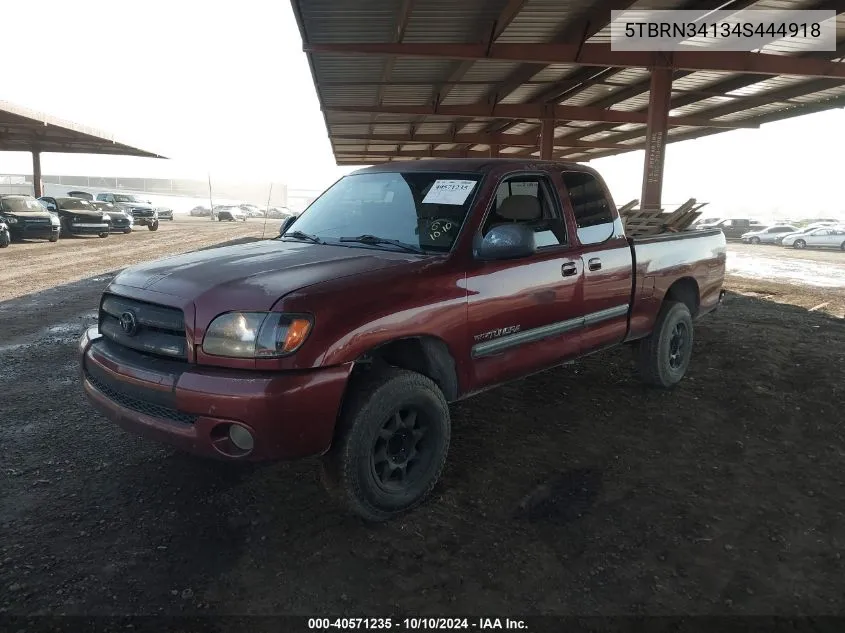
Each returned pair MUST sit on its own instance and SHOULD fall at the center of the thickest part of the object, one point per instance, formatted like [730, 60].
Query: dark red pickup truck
[402, 288]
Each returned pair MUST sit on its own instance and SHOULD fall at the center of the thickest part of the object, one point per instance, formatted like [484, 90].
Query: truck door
[524, 314]
[606, 258]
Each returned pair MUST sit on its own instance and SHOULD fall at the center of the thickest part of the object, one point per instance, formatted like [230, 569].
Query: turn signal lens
[297, 332]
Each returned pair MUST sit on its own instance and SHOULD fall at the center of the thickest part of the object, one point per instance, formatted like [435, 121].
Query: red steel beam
[531, 139]
[547, 139]
[428, 153]
[660, 97]
[598, 55]
[530, 111]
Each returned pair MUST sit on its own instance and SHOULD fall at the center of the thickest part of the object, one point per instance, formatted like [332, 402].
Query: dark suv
[27, 218]
[78, 217]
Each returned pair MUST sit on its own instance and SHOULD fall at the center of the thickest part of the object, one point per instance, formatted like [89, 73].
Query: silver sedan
[822, 237]
[769, 235]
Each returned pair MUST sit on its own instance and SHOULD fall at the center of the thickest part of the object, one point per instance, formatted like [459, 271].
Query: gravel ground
[574, 491]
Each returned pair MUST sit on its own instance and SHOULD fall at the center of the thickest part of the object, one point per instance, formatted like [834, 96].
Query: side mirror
[506, 241]
[286, 224]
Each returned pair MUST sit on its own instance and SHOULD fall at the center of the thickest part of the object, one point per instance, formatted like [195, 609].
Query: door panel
[606, 293]
[524, 315]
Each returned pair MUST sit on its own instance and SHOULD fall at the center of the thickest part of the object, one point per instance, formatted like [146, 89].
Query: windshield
[21, 205]
[423, 209]
[75, 203]
[121, 197]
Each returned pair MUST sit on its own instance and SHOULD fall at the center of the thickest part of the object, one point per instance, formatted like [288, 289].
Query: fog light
[241, 438]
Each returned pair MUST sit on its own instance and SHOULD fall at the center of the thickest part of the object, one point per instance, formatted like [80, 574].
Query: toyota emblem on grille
[128, 323]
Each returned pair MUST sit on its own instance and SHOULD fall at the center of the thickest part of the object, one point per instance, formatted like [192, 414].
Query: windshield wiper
[375, 241]
[299, 235]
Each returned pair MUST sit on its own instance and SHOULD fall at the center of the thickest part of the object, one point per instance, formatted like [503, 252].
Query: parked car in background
[143, 212]
[706, 223]
[121, 220]
[200, 211]
[348, 336]
[768, 235]
[78, 217]
[252, 211]
[26, 218]
[278, 213]
[230, 214]
[821, 237]
[735, 228]
[81, 194]
[5, 237]
[804, 230]
[165, 213]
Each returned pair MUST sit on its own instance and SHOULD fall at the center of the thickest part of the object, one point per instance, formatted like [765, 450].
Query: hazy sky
[224, 86]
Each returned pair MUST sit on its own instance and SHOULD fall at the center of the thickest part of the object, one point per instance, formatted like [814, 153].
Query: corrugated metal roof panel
[522, 128]
[447, 21]
[767, 85]
[523, 94]
[406, 95]
[822, 95]
[446, 146]
[588, 95]
[629, 76]
[419, 69]
[634, 103]
[433, 128]
[554, 72]
[491, 71]
[463, 94]
[332, 67]
[540, 20]
[391, 128]
[349, 95]
[474, 126]
[371, 21]
[700, 79]
[335, 128]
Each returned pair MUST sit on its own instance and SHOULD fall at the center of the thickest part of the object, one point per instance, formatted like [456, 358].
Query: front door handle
[568, 269]
[594, 264]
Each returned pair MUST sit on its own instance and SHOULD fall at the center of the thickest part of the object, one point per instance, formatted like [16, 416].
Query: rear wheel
[5, 239]
[664, 355]
[391, 444]
[799, 244]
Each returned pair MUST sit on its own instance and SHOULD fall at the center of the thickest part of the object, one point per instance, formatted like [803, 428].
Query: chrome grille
[160, 329]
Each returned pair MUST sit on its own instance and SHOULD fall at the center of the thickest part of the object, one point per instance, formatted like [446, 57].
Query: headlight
[256, 334]
[54, 220]
[11, 220]
[106, 217]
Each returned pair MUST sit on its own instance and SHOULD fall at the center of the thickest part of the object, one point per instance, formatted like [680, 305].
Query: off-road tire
[5, 239]
[54, 238]
[104, 234]
[153, 226]
[348, 470]
[654, 353]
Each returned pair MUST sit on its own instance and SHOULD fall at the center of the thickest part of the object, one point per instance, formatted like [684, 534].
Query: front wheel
[755, 240]
[391, 444]
[54, 238]
[842, 246]
[5, 239]
[127, 231]
[153, 226]
[104, 234]
[799, 244]
[664, 355]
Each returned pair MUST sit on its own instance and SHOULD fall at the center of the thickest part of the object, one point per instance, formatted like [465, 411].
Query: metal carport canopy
[24, 130]
[410, 79]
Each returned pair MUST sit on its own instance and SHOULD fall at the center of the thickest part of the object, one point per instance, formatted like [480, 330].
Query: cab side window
[593, 212]
[528, 200]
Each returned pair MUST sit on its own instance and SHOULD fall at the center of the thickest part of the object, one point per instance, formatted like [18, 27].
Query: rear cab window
[593, 211]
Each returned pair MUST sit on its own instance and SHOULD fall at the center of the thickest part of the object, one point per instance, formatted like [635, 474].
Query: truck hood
[253, 276]
[26, 215]
[134, 205]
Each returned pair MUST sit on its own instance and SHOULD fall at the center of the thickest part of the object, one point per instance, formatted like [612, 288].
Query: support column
[494, 151]
[547, 139]
[36, 173]
[659, 103]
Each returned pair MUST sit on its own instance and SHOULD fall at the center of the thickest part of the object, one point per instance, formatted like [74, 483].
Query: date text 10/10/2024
[414, 624]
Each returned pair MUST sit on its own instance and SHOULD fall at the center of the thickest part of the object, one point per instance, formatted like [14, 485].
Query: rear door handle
[594, 264]
[568, 269]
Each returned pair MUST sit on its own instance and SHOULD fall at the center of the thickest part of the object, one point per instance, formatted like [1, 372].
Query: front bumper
[121, 225]
[41, 231]
[290, 415]
[88, 228]
[144, 220]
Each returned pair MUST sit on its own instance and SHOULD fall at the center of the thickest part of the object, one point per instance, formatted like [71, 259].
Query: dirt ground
[577, 491]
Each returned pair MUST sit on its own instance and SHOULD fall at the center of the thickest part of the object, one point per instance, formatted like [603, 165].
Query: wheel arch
[425, 354]
[685, 290]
